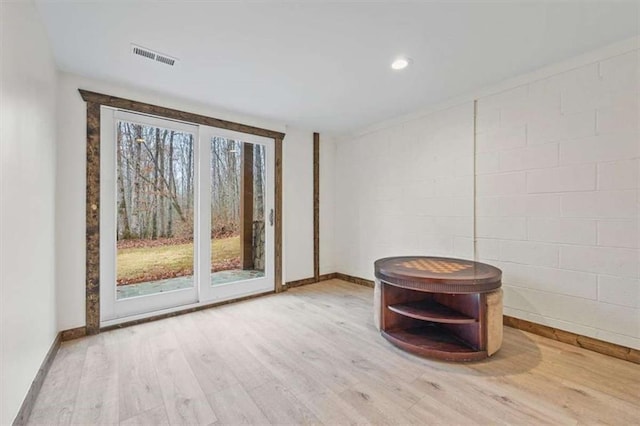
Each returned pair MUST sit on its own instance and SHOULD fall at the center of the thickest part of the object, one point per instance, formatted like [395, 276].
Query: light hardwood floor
[312, 355]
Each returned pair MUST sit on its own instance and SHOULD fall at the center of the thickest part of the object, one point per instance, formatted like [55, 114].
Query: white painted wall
[327, 203]
[557, 194]
[298, 203]
[297, 172]
[70, 188]
[556, 191]
[27, 229]
[406, 189]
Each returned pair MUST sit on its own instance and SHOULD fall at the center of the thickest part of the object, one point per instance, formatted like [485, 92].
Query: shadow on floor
[519, 354]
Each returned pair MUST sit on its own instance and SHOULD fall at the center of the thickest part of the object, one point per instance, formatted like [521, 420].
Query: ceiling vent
[152, 55]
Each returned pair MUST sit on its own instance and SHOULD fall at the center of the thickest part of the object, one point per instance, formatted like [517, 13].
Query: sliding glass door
[185, 216]
[238, 217]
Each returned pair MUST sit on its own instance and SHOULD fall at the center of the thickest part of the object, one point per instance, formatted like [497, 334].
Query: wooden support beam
[173, 114]
[278, 217]
[246, 207]
[316, 207]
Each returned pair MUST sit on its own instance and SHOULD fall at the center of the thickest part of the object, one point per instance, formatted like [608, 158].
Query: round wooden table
[439, 307]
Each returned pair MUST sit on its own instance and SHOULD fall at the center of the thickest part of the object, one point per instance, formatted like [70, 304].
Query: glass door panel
[147, 216]
[155, 210]
[237, 210]
[240, 202]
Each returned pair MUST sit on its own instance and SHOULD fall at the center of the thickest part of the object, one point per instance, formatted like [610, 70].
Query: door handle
[271, 217]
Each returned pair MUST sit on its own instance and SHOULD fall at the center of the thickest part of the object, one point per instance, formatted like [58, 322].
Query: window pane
[154, 210]
[237, 210]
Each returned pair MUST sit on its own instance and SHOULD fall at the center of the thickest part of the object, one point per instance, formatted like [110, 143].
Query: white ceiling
[326, 66]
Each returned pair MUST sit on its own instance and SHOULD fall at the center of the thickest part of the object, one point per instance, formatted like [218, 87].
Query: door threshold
[177, 310]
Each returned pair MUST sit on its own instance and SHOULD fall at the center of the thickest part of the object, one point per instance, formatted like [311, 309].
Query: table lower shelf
[430, 310]
[433, 341]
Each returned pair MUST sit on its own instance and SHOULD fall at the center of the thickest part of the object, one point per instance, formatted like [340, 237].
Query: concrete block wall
[555, 188]
[407, 189]
[557, 198]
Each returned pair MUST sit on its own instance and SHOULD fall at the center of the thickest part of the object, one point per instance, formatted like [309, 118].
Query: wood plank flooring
[311, 355]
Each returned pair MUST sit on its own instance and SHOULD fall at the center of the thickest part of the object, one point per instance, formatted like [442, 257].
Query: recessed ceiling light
[400, 63]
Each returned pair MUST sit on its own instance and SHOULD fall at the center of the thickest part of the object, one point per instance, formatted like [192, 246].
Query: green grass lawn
[154, 263]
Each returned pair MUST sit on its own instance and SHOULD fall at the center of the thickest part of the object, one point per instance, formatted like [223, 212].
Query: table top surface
[439, 273]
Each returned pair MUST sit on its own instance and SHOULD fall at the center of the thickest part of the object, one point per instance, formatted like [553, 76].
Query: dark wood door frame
[94, 102]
